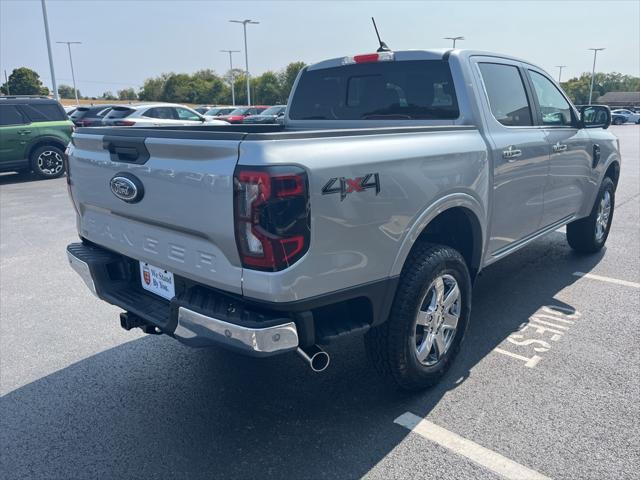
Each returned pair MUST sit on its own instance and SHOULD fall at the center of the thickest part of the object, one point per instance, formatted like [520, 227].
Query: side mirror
[281, 114]
[595, 116]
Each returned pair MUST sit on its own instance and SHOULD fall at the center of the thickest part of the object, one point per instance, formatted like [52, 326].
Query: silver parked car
[631, 117]
[156, 115]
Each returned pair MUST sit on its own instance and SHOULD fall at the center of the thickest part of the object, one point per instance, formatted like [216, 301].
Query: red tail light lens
[271, 216]
[125, 123]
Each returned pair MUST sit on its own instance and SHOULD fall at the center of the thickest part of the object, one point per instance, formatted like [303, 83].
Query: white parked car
[631, 117]
[156, 115]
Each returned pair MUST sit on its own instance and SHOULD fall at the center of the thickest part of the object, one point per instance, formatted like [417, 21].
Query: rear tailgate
[183, 222]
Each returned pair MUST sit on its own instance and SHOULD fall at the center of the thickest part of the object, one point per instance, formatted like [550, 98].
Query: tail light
[271, 208]
[65, 162]
[124, 123]
[368, 58]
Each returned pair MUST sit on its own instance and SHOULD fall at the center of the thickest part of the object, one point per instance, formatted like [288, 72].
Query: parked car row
[35, 130]
[166, 114]
[244, 114]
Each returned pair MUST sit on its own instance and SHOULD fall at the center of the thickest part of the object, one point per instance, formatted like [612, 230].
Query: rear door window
[393, 90]
[164, 113]
[507, 94]
[45, 112]
[11, 115]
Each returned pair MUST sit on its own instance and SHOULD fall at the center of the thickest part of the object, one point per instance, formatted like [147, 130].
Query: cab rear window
[119, 112]
[395, 90]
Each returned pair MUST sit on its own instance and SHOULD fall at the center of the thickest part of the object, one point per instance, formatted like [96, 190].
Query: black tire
[392, 346]
[618, 121]
[47, 161]
[583, 235]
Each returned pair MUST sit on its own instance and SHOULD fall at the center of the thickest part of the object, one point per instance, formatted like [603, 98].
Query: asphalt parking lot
[549, 377]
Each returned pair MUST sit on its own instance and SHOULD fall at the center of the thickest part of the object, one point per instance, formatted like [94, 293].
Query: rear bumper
[196, 316]
[199, 315]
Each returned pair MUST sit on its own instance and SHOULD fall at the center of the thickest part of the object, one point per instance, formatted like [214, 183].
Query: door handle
[559, 147]
[511, 153]
[24, 132]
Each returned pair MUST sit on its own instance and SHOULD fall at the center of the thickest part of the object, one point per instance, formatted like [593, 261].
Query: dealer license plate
[157, 280]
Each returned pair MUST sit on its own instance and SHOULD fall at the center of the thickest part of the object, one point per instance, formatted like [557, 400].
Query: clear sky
[125, 42]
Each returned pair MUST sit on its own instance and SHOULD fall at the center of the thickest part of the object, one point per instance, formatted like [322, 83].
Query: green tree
[266, 89]
[108, 95]
[577, 88]
[178, 88]
[208, 87]
[288, 76]
[153, 88]
[24, 81]
[66, 91]
[127, 94]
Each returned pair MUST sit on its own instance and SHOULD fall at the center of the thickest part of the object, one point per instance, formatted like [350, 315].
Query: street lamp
[46, 32]
[593, 72]
[560, 72]
[233, 90]
[246, 54]
[73, 75]
[454, 40]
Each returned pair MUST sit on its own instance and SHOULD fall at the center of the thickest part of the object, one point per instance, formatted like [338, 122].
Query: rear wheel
[588, 235]
[47, 162]
[428, 319]
[618, 121]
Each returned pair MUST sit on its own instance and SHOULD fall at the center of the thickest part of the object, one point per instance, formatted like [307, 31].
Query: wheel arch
[46, 140]
[613, 172]
[457, 221]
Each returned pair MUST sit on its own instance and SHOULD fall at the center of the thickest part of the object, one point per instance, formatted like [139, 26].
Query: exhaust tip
[320, 361]
[317, 358]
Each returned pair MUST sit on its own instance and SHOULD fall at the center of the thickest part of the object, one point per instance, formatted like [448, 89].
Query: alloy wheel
[50, 163]
[437, 320]
[602, 217]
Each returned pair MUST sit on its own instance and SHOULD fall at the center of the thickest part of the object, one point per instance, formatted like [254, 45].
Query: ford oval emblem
[127, 187]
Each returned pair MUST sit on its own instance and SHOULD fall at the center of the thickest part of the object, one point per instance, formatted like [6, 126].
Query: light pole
[560, 72]
[593, 71]
[246, 54]
[46, 33]
[454, 40]
[73, 75]
[233, 90]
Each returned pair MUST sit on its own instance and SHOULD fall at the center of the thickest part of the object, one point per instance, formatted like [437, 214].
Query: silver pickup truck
[395, 179]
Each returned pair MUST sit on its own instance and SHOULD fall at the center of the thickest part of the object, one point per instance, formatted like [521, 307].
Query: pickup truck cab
[395, 179]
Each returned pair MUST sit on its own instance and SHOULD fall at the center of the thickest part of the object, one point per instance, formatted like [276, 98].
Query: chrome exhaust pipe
[317, 358]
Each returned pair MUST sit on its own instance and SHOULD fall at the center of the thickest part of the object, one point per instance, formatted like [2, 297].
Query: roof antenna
[383, 46]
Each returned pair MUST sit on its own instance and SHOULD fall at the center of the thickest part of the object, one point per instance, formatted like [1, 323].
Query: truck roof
[431, 54]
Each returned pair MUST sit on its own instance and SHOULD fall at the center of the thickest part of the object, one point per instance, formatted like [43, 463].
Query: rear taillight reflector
[271, 210]
[125, 123]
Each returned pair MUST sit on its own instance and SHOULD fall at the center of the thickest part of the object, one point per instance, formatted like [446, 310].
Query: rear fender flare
[432, 211]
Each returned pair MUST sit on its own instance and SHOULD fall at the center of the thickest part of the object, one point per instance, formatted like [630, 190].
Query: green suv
[34, 132]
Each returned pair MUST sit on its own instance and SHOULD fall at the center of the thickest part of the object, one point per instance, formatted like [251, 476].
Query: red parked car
[239, 113]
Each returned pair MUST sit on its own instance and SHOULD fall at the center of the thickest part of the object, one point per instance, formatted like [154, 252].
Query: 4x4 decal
[345, 186]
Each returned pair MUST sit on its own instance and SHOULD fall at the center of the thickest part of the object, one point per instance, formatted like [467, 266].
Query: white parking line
[607, 279]
[471, 450]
